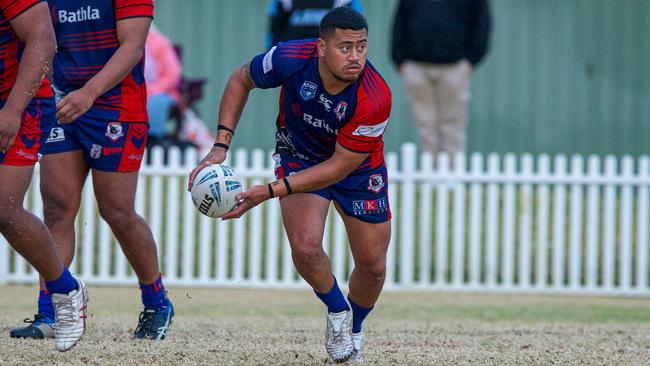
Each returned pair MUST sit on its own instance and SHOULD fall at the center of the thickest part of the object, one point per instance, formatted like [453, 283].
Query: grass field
[222, 327]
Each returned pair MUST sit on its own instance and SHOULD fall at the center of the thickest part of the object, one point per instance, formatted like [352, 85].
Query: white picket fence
[501, 223]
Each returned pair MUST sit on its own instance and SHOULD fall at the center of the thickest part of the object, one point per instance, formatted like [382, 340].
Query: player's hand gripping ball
[214, 190]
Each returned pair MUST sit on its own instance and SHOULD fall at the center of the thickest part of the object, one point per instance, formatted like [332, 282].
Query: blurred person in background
[334, 109]
[300, 19]
[102, 131]
[27, 112]
[436, 46]
[162, 73]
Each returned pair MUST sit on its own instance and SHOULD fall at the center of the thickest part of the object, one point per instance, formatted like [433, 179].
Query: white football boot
[338, 337]
[70, 316]
[357, 355]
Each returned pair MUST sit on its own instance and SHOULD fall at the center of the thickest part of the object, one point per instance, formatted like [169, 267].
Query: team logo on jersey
[308, 90]
[56, 134]
[96, 151]
[340, 110]
[325, 102]
[376, 183]
[114, 131]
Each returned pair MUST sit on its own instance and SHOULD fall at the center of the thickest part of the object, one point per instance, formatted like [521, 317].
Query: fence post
[575, 223]
[593, 220]
[407, 215]
[642, 226]
[426, 190]
[625, 268]
[476, 222]
[543, 169]
[559, 206]
[609, 231]
[525, 222]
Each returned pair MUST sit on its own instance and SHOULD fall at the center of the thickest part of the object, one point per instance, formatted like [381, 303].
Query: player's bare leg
[62, 179]
[24, 231]
[304, 216]
[30, 237]
[369, 245]
[115, 193]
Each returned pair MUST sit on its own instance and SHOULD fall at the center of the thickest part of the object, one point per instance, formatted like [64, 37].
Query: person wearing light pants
[436, 45]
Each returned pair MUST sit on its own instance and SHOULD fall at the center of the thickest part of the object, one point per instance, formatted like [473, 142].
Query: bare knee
[308, 252]
[117, 217]
[59, 208]
[375, 268]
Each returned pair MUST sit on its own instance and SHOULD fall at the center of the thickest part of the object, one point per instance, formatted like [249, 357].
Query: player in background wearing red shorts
[99, 73]
[27, 45]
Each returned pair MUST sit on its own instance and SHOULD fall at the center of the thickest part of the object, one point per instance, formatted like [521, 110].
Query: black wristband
[270, 190]
[286, 183]
[222, 127]
[223, 146]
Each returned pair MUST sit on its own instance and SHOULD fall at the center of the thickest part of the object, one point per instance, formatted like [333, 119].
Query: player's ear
[321, 47]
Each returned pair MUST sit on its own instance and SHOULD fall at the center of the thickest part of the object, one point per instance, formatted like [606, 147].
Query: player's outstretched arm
[131, 34]
[34, 28]
[340, 165]
[232, 105]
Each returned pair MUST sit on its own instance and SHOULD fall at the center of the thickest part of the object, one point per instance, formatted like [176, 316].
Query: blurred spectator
[299, 19]
[162, 73]
[436, 46]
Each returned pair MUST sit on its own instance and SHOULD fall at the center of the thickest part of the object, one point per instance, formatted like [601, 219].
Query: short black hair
[343, 18]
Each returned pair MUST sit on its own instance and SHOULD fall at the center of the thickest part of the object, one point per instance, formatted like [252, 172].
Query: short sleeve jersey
[86, 32]
[11, 48]
[311, 121]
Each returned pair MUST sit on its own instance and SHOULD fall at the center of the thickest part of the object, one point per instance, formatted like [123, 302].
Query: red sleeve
[365, 130]
[13, 8]
[133, 9]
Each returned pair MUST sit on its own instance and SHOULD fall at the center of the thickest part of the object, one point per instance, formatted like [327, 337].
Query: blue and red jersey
[86, 32]
[11, 48]
[311, 121]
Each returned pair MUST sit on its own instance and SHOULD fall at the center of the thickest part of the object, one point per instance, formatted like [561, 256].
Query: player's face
[344, 53]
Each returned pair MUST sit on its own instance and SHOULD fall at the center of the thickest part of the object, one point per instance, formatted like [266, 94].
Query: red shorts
[37, 119]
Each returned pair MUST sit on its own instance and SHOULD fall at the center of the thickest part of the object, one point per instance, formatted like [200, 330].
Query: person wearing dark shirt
[436, 46]
[300, 19]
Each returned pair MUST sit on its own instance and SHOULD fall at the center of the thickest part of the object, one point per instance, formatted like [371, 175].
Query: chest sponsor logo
[319, 123]
[370, 131]
[96, 151]
[80, 15]
[56, 134]
[340, 110]
[114, 131]
[308, 90]
[325, 102]
[364, 207]
[376, 183]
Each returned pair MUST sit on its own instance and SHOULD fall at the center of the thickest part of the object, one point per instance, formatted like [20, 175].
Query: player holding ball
[334, 108]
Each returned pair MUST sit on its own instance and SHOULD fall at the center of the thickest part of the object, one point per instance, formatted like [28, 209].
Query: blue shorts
[36, 120]
[363, 195]
[107, 146]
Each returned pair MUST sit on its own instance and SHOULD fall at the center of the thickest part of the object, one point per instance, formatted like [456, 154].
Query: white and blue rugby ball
[214, 190]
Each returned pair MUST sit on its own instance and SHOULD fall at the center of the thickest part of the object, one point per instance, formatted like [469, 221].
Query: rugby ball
[214, 190]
